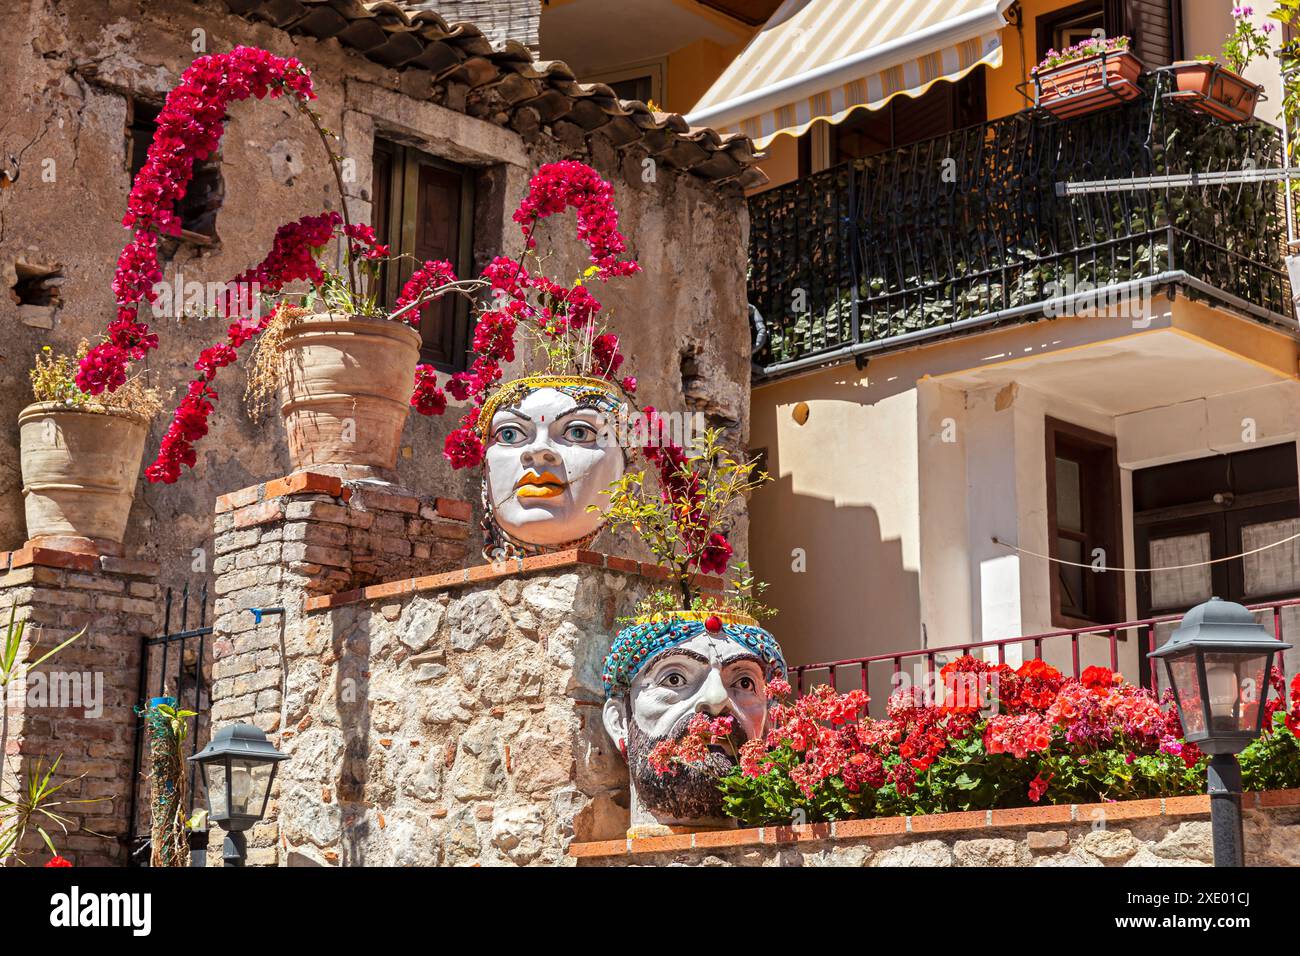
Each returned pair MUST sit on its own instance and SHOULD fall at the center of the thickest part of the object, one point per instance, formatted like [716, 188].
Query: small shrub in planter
[1089, 76]
[1222, 91]
[80, 456]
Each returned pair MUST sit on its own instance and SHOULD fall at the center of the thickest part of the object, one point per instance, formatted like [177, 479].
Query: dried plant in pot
[687, 680]
[1089, 76]
[80, 456]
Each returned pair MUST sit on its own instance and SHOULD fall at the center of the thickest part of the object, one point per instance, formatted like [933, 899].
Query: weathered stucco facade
[71, 67]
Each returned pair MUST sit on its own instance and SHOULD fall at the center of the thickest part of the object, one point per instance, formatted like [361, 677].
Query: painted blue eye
[509, 434]
[580, 432]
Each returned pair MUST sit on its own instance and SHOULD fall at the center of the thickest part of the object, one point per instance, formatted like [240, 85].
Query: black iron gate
[171, 665]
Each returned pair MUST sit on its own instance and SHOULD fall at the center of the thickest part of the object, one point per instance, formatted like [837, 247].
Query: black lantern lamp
[1218, 663]
[238, 767]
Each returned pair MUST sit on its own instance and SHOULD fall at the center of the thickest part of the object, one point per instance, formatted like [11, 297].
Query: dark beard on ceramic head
[692, 793]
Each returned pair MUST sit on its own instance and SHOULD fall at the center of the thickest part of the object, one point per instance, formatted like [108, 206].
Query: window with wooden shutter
[1083, 517]
[424, 209]
[1155, 26]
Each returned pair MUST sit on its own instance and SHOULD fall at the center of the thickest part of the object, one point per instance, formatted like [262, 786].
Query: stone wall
[450, 718]
[70, 67]
[78, 706]
[285, 541]
[459, 723]
[1174, 831]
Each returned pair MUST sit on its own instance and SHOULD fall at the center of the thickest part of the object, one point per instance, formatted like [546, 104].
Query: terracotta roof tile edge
[467, 41]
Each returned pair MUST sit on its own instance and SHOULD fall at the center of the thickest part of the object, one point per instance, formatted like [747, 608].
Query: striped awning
[823, 59]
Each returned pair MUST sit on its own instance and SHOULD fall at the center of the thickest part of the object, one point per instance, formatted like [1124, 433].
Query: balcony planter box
[1214, 89]
[1089, 84]
[346, 392]
[79, 470]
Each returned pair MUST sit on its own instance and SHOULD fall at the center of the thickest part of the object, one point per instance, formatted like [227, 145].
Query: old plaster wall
[68, 67]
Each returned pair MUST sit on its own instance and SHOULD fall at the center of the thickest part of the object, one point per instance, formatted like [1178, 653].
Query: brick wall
[80, 706]
[1173, 831]
[279, 544]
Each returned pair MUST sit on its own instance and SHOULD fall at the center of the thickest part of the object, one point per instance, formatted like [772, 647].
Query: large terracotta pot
[347, 391]
[1214, 89]
[1087, 85]
[79, 473]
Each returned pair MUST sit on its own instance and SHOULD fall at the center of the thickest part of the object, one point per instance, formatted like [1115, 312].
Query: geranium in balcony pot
[80, 456]
[1221, 91]
[687, 681]
[1089, 76]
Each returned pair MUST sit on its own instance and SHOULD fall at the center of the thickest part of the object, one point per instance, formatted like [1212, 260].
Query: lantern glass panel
[1187, 687]
[249, 781]
[1235, 682]
[214, 777]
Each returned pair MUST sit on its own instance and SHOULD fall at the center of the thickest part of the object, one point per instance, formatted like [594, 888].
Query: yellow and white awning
[823, 59]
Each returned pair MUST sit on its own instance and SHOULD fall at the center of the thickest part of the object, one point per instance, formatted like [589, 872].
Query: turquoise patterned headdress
[636, 646]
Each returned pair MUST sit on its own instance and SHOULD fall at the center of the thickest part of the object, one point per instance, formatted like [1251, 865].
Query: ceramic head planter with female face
[551, 450]
[661, 673]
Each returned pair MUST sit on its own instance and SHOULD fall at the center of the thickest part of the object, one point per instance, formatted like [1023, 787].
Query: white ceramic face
[546, 461]
[709, 675]
[712, 675]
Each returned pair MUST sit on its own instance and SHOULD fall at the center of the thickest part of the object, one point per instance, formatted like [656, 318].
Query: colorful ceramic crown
[636, 646]
[586, 393]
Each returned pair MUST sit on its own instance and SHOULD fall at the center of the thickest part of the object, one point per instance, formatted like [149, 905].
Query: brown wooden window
[202, 200]
[1083, 514]
[423, 207]
[1155, 27]
[904, 119]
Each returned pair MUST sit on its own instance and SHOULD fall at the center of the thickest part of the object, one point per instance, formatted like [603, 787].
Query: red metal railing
[1110, 632]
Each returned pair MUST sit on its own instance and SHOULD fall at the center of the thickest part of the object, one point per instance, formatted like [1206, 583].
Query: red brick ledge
[502, 569]
[314, 483]
[29, 556]
[932, 823]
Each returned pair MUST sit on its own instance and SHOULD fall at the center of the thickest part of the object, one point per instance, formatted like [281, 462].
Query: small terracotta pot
[1214, 89]
[79, 473]
[1085, 86]
[346, 393]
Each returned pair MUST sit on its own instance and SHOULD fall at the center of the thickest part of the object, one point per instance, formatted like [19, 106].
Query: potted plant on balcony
[1205, 84]
[80, 456]
[1089, 76]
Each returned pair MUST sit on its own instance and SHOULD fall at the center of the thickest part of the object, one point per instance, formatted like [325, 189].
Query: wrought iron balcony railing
[968, 229]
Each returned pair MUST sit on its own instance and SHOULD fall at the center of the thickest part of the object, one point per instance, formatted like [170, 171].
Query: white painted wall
[897, 522]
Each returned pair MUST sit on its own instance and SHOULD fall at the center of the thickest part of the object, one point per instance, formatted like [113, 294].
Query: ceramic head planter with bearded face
[551, 450]
[659, 674]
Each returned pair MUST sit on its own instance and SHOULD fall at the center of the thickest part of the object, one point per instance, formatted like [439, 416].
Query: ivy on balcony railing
[969, 225]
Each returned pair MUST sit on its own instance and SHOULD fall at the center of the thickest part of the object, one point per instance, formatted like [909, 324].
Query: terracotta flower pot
[79, 473]
[1087, 85]
[346, 393]
[1214, 89]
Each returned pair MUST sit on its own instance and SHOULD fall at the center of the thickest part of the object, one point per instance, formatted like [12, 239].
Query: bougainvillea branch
[562, 320]
[291, 258]
[190, 127]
